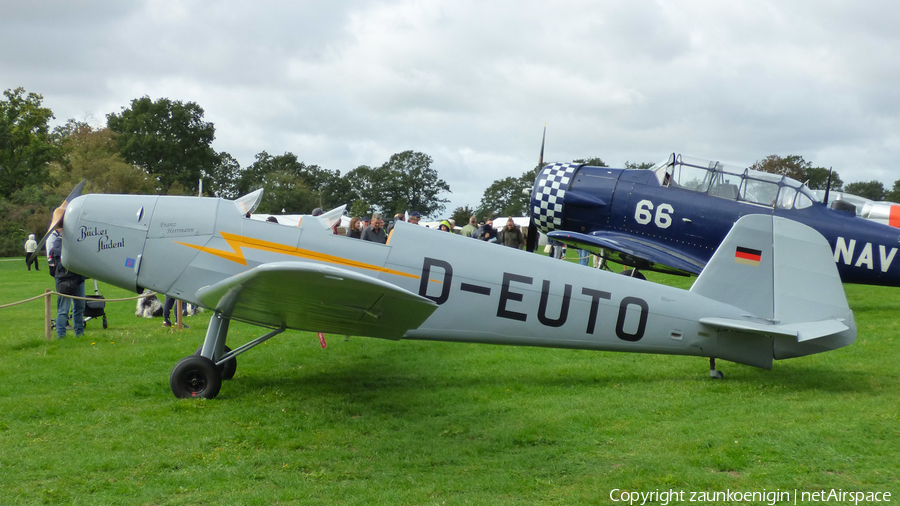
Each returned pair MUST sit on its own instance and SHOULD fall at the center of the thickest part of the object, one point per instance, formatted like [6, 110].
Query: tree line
[164, 147]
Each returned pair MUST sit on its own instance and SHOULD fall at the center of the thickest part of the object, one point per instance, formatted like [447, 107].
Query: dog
[151, 307]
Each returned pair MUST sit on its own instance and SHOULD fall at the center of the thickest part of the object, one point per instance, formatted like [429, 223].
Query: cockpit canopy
[733, 183]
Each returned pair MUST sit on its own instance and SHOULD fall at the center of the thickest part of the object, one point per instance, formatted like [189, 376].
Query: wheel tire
[104, 322]
[631, 273]
[195, 376]
[228, 369]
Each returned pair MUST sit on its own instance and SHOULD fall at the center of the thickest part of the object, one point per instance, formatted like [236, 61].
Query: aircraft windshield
[733, 183]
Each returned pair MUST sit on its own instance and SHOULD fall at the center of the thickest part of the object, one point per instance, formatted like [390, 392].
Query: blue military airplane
[672, 217]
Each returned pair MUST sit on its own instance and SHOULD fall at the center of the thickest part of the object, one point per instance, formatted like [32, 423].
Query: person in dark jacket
[486, 232]
[375, 231]
[354, 231]
[67, 283]
[511, 235]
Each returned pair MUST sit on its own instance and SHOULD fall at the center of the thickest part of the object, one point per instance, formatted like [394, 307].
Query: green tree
[93, 154]
[795, 167]
[286, 183]
[334, 190]
[506, 197]
[461, 215]
[224, 178]
[894, 194]
[26, 147]
[872, 190]
[792, 166]
[817, 179]
[407, 182]
[638, 166]
[365, 186]
[168, 139]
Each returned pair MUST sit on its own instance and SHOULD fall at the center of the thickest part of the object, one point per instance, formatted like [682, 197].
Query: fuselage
[693, 217]
[485, 292]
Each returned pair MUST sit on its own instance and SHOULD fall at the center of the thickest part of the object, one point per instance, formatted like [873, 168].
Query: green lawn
[92, 420]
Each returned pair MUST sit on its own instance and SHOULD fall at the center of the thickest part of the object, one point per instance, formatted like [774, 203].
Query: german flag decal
[747, 256]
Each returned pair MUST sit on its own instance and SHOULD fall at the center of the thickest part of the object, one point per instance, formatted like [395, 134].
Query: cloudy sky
[471, 83]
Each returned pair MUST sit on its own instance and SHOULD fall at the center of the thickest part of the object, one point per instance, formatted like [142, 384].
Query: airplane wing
[641, 252]
[306, 296]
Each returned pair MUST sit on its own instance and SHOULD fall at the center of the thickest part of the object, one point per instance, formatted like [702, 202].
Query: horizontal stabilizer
[802, 331]
[320, 298]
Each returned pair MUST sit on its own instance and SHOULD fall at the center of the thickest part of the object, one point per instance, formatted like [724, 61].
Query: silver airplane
[770, 292]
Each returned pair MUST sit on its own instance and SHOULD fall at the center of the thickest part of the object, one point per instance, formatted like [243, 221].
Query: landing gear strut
[201, 374]
[633, 273]
[713, 373]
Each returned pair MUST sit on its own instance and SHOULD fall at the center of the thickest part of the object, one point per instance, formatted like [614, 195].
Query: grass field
[92, 420]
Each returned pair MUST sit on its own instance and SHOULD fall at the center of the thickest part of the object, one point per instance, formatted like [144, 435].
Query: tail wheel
[195, 376]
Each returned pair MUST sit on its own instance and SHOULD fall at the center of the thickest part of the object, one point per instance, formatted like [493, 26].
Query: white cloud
[347, 83]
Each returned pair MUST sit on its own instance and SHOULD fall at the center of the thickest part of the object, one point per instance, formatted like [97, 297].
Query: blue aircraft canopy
[733, 183]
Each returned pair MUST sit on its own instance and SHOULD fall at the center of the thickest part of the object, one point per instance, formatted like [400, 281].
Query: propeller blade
[543, 138]
[532, 237]
[58, 214]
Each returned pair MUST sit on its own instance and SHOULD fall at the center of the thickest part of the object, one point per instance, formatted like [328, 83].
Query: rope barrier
[11, 304]
[47, 296]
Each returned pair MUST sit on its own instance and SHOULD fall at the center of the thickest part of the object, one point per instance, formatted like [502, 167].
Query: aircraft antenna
[828, 184]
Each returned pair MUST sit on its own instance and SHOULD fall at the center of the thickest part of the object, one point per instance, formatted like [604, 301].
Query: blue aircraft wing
[643, 252]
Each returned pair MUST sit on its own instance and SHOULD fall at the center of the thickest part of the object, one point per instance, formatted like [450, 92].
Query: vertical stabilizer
[782, 273]
[741, 272]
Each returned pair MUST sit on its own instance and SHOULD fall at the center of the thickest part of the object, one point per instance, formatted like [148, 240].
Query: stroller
[96, 307]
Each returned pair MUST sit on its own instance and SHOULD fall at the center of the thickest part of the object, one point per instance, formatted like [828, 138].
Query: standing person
[375, 231]
[167, 310]
[470, 228]
[397, 217]
[511, 235]
[556, 248]
[486, 232]
[583, 256]
[67, 283]
[445, 226]
[414, 217]
[30, 248]
[51, 264]
[354, 231]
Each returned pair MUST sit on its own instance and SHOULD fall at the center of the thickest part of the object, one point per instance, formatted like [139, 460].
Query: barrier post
[47, 313]
[178, 309]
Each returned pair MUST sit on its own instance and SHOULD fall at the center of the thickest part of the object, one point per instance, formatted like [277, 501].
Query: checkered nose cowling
[549, 194]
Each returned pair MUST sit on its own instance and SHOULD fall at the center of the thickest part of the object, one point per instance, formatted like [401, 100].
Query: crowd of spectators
[374, 229]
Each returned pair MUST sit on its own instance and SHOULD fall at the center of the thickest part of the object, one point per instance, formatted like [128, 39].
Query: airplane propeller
[532, 238]
[58, 214]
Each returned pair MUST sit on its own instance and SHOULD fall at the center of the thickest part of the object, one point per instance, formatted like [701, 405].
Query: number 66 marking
[643, 214]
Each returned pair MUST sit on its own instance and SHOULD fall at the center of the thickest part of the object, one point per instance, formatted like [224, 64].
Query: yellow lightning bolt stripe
[237, 255]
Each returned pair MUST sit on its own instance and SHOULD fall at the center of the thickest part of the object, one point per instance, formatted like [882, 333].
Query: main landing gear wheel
[195, 376]
[227, 369]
